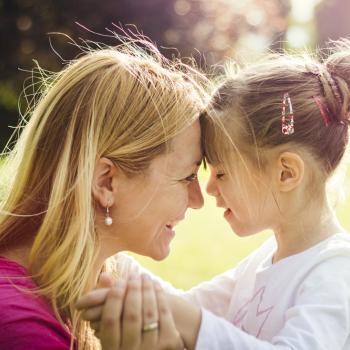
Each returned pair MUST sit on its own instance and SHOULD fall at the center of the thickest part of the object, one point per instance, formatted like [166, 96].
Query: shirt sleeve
[319, 318]
[214, 295]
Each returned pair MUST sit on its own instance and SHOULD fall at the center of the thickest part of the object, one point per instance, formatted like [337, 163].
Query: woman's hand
[131, 315]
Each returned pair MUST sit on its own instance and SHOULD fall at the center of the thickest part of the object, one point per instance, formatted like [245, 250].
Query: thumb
[105, 281]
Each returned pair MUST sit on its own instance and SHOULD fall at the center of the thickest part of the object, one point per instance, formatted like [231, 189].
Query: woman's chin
[241, 230]
[162, 248]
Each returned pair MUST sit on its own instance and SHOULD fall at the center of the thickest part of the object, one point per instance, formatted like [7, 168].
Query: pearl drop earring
[108, 219]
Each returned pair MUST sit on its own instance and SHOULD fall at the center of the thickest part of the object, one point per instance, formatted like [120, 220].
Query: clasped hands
[130, 315]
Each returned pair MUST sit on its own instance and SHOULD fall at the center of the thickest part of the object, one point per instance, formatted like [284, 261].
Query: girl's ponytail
[337, 91]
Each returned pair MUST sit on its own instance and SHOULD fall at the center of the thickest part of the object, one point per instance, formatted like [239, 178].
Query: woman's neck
[310, 228]
[18, 254]
[103, 255]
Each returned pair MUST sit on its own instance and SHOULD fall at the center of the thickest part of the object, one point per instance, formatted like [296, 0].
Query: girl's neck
[308, 230]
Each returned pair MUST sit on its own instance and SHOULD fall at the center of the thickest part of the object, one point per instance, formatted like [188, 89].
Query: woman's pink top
[26, 321]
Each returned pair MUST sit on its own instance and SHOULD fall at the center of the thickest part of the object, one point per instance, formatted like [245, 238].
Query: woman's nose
[196, 200]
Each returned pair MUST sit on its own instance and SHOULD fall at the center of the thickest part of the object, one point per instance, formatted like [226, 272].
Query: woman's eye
[191, 178]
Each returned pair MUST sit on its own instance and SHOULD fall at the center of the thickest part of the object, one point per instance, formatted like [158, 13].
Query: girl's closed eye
[219, 175]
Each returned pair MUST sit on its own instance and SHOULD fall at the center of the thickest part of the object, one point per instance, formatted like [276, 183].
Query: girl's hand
[132, 315]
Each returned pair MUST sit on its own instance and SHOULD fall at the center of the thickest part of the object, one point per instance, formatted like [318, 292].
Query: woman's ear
[291, 169]
[102, 183]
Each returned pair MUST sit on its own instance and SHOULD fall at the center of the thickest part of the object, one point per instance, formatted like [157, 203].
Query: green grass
[205, 245]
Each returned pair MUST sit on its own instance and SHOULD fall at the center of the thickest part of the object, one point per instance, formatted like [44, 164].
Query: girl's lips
[170, 232]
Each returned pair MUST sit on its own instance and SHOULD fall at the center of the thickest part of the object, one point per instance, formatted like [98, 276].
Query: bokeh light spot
[24, 23]
[297, 37]
[182, 7]
[27, 47]
[172, 36]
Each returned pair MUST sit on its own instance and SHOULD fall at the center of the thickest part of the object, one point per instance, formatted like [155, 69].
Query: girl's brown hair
[245, 111]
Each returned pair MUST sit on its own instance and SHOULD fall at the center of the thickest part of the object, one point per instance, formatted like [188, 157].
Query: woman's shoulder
[33, 332]
[27, 321]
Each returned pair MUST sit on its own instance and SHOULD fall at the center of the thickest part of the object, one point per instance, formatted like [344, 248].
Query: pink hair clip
[287, 119]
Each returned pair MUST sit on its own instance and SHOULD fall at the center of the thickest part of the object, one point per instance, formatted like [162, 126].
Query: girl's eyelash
[220, 175]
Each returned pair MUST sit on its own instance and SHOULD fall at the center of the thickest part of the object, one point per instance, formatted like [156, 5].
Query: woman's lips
[227, 212]
[170, 228]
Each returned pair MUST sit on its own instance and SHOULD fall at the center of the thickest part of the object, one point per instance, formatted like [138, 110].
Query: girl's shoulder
[337, 245]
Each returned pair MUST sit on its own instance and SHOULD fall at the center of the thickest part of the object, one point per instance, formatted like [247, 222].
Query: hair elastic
[326, 114]
[323, 110]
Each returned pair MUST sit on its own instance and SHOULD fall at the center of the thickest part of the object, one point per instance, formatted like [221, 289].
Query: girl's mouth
[169, 231]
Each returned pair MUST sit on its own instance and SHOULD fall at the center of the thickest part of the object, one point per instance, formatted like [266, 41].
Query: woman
[115, 134]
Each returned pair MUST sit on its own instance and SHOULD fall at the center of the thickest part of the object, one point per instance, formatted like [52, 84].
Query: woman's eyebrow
[196, 163]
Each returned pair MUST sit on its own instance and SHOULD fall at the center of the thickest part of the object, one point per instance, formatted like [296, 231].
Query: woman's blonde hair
[124, 103]
[244, 116]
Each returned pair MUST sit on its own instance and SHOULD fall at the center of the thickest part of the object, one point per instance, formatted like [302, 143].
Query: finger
[93, 298]
[132, 315]
[105, 281]
[169, 336]
[110, 327]
[92, 314]
[150, 313]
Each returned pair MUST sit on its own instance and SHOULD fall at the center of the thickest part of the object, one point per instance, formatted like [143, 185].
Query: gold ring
[150, 327]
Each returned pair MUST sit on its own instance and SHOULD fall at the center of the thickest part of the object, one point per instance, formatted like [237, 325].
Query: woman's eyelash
[191, 178]
[219, 175]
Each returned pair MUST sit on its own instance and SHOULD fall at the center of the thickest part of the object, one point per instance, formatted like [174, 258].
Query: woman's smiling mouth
[227, 213]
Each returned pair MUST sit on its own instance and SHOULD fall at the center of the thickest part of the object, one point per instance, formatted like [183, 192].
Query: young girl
[273, 136]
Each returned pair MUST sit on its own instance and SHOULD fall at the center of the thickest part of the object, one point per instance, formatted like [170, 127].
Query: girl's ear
[291, 169]
[103, 186]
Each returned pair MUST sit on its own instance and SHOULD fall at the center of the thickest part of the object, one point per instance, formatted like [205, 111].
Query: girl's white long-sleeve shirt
[301, 302]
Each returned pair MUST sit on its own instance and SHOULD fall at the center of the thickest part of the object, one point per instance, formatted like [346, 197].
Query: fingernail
[157, 286]
[146, 277]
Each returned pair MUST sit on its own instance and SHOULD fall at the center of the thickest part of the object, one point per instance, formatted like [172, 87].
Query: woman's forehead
[184, 154]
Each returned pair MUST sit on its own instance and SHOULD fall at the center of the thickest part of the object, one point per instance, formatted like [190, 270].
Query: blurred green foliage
[210, 31]
[216, 29]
